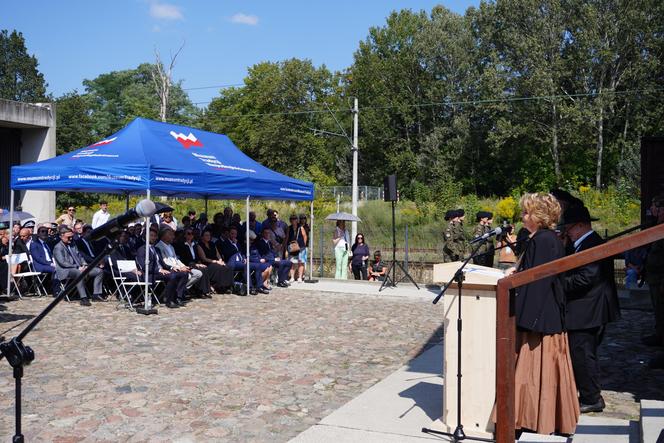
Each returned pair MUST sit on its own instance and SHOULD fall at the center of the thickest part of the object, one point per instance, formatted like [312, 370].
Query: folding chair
[29, 276]
[126, 266]
[41, 278]
[118, 279]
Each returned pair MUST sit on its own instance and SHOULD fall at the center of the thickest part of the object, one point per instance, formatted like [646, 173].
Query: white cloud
[245, 19]
[165, 11]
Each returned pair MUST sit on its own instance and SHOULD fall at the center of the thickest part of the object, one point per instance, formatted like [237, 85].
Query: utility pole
[356, 114]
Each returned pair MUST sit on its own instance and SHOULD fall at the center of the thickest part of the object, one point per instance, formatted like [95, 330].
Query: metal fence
[345, 192]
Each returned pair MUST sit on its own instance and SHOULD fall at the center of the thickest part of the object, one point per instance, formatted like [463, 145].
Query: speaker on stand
[392, 195]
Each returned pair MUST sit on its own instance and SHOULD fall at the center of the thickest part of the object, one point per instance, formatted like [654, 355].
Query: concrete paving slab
[652, 421]
[368, 288]
[322, 434]
[399, 405]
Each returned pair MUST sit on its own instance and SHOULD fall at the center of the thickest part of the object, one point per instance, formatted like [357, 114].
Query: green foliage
[507, 209]
[20, 80]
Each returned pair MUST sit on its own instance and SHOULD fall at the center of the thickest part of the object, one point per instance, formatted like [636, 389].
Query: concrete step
[652, 421]
[592, 429]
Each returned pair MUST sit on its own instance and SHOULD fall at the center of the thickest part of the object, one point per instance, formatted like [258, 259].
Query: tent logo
[186, 141]
[104, 142]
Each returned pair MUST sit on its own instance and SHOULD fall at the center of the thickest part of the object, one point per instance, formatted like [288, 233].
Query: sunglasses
[71, 210]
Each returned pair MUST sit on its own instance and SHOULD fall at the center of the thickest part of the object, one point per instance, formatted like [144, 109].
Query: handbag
[293, 245]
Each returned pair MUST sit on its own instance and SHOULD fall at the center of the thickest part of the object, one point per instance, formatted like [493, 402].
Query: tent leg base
[311, 280]
[147, 311]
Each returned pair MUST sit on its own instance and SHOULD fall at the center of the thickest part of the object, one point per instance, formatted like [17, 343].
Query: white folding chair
[126, 266]
[119, 288]
[29, 276]
[41, 278]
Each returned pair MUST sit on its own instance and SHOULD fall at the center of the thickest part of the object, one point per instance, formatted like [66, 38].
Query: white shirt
[100, 218]
[579, 240]
[343, 238]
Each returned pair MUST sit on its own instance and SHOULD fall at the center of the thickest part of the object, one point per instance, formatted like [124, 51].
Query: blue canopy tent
[155, 158]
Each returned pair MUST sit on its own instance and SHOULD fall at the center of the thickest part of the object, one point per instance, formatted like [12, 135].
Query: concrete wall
[37, 123]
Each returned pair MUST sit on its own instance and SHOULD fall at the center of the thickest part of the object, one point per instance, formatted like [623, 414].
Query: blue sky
[76, 40]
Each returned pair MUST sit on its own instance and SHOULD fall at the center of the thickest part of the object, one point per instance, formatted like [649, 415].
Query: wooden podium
[478, 361]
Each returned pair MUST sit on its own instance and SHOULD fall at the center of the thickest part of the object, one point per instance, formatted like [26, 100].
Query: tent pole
[127, 202]
[311, 241]
[247, 243]
[147, 298]
[11, 243]
[206, 207]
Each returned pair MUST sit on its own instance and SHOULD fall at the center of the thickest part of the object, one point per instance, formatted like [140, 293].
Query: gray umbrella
[18, 216]
[345, 216]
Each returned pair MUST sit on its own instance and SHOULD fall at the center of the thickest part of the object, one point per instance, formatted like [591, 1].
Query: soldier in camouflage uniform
[460, 239]
[484, 254]
[654, 276]
[447, 237]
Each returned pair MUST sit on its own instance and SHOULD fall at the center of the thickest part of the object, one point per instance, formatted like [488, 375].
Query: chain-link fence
[344, 193]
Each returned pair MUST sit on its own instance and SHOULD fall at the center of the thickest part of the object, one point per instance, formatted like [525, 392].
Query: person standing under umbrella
[340, 241]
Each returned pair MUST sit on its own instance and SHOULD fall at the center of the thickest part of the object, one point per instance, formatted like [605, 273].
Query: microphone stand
[458, 434]
[19, 355]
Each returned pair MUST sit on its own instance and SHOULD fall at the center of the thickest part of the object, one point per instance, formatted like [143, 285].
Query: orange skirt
[545, 390]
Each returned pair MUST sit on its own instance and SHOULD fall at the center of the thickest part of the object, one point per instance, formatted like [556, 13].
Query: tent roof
[168, 159]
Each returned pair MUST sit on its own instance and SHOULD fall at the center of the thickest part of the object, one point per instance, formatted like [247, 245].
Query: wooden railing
[506, 327]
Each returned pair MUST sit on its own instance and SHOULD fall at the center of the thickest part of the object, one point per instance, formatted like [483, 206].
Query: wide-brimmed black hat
[460, 213]
[576, 214]
[483, 214]
[564, 196]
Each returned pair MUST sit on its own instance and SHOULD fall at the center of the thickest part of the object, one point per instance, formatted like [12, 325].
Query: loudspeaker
[390, 188]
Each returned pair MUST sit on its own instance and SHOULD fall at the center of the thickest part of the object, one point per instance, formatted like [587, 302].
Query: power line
[450, 103]
[213, 87]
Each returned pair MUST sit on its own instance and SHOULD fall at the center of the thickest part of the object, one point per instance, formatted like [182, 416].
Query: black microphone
[491, 233]
[144, 208]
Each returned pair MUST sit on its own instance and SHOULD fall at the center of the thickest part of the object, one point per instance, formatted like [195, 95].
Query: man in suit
[233, 253]
[69, 264]
[591, 303]
[196, 277]
[266, 252]
[176, 282]
[42, 256]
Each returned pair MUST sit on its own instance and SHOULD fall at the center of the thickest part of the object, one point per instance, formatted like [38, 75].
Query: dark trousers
[583, 346]
[657, 298]
[282, 266]
[176, 284]
[359, 271]
[256, 268]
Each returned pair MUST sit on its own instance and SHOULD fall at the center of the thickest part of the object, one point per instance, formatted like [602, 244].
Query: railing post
[505, 364]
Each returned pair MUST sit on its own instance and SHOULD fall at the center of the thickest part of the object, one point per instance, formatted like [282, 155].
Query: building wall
[37, 126]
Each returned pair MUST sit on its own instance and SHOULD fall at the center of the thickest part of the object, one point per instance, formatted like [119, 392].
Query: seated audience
[378, 268]
[176, 282]
[69, 264]
[266, 252]
[42, 257]
[204, 252]
[197, 277]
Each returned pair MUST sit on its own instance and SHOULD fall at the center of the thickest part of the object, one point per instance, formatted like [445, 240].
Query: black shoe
[657, 362]
[282, 284]
[263, 291]
[172, 305]
[652, 340]
[85, 302]
[595, 407]
[209, 295]
[181, 303]
[253, 291]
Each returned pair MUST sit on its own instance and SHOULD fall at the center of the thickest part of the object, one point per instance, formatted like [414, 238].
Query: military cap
[449, 215]
[460, 212]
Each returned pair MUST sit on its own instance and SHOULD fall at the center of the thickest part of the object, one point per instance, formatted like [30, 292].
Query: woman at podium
[545, 391]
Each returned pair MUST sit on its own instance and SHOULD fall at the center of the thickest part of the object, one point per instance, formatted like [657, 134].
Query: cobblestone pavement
[626, 378]
[253, 369]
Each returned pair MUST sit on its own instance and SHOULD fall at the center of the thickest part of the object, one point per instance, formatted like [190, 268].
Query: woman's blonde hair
[543, 209]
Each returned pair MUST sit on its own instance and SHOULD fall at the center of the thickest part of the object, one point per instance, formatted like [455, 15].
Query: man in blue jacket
[42, 256]
[266, 252]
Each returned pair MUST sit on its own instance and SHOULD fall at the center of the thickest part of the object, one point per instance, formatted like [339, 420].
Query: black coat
[184, 253]
[592, 298]
[540, 306]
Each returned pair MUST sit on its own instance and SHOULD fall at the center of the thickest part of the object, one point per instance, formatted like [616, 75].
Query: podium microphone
[144, 208]
[491, 233]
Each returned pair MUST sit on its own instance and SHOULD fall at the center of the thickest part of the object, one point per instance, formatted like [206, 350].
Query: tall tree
[271, 118]
[20, 80]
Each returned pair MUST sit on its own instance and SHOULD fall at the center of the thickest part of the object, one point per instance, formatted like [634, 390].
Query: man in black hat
[484, 255]
[592, 302]
[654, 276]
